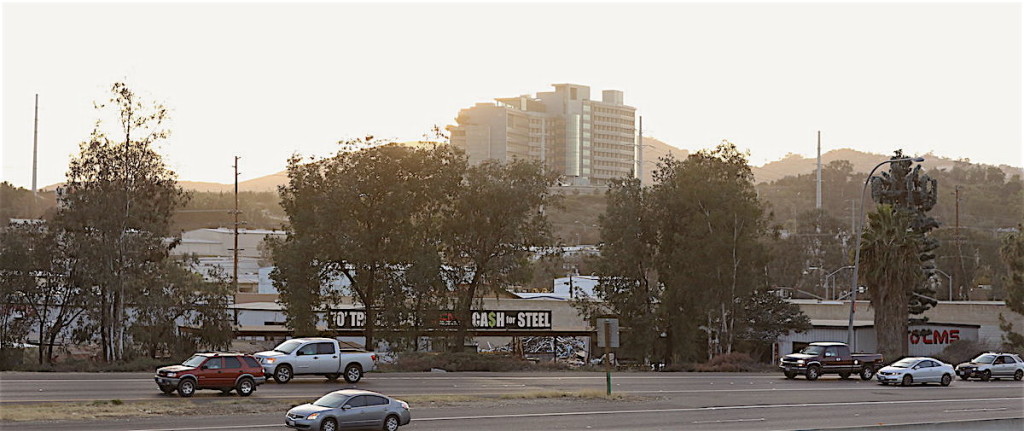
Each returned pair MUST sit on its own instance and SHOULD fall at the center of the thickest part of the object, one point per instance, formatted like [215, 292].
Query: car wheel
[353, 372]
[391, 423]
[1018, 375]
[332, 377]
[946, 379]
[790, 374]
[167, 389]
[844, 375]
[986, 375]
[283, 373]
[813, 372]
[187, 388]
[907, 380]
[329, 424]
[867, 372]
[245, 387]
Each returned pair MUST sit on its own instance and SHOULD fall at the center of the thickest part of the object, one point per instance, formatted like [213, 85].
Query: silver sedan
[350, 408]
[908, 371]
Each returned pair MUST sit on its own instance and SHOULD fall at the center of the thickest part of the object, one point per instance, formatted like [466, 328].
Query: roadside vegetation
[114, 409]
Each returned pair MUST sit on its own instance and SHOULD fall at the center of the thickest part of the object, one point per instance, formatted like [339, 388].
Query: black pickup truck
[830, 358]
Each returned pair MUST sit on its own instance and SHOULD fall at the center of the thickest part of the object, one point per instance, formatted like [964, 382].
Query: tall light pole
[850, 339]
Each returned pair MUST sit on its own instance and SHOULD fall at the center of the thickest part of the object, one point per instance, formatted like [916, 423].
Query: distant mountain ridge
[654, 149]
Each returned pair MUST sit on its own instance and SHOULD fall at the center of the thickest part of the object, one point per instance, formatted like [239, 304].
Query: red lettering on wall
[934, 337]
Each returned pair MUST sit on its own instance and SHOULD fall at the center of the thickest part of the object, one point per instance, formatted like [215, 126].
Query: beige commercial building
[588, 142]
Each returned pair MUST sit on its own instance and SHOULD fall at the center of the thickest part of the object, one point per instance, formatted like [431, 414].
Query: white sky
[264, 80]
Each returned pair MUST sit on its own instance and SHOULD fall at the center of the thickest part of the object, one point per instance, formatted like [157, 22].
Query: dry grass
[119, 409]
[124, 409]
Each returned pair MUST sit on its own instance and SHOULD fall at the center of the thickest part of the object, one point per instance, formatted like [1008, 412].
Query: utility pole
[961, 271]
[640, 152]
[817, 194]
[234, 274]
[35, 158]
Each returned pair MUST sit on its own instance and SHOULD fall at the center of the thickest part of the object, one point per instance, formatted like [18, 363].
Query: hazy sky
[262, 81]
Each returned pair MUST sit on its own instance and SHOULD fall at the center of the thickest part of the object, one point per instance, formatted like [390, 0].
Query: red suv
[222, 371]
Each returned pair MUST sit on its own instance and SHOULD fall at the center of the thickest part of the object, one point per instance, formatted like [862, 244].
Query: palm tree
[890, 258]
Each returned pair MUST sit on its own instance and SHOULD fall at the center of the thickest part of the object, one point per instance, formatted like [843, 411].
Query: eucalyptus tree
[115, 211]
[628, 284]
[710, 253]
[494, 220]
[360, 215]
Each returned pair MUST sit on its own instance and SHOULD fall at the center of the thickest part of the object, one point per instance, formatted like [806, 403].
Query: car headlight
[268, 360]
[800, 362]
[313, 416]
[172, 374]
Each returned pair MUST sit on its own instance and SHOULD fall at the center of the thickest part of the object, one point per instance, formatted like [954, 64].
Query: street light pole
[950, 282]
[850, 339]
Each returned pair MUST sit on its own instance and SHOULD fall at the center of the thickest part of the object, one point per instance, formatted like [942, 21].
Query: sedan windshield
[331, 400]
[904, 363]
[984, 359]
[194, 361]
[812, 350]
[287, 346]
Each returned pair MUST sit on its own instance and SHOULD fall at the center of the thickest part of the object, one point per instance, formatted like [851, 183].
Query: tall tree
[913, 192]
[116, 208]
[361, 212]
[890, 258]
[628, 284]
[494, 221]
[1012, 253]
[710, 227]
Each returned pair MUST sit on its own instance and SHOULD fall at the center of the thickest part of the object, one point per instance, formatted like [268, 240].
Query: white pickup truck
[323, 356]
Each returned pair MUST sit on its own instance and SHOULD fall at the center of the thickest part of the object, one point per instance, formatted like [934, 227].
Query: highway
[657, 401]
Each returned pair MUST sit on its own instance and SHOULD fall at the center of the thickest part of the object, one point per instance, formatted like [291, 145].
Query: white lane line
[728, 420]
[698, 409]
[617, 412]
[975, 410]
[375, 377]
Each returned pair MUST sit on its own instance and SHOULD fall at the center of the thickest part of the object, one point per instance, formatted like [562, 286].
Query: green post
[608, 381]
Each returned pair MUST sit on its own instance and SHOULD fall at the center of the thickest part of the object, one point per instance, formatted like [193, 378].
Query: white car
[908, 371]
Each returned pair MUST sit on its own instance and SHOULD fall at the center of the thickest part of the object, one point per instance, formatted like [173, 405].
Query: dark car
[221, 371]
[347, 409]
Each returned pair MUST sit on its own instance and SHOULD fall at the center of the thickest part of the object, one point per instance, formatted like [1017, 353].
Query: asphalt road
[663, 401]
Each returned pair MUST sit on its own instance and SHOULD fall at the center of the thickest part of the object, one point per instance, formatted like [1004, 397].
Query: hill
[795, 164]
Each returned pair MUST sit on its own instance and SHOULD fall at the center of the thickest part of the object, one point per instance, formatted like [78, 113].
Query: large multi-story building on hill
[588, 142]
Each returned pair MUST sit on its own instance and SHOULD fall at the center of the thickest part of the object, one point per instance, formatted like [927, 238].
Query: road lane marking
[975, 410]
[616, 412]
[698, 409]
[728, 420]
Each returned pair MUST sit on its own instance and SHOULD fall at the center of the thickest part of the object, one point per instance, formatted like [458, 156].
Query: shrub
[465, 361]
[729, 362]
[962, 351]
